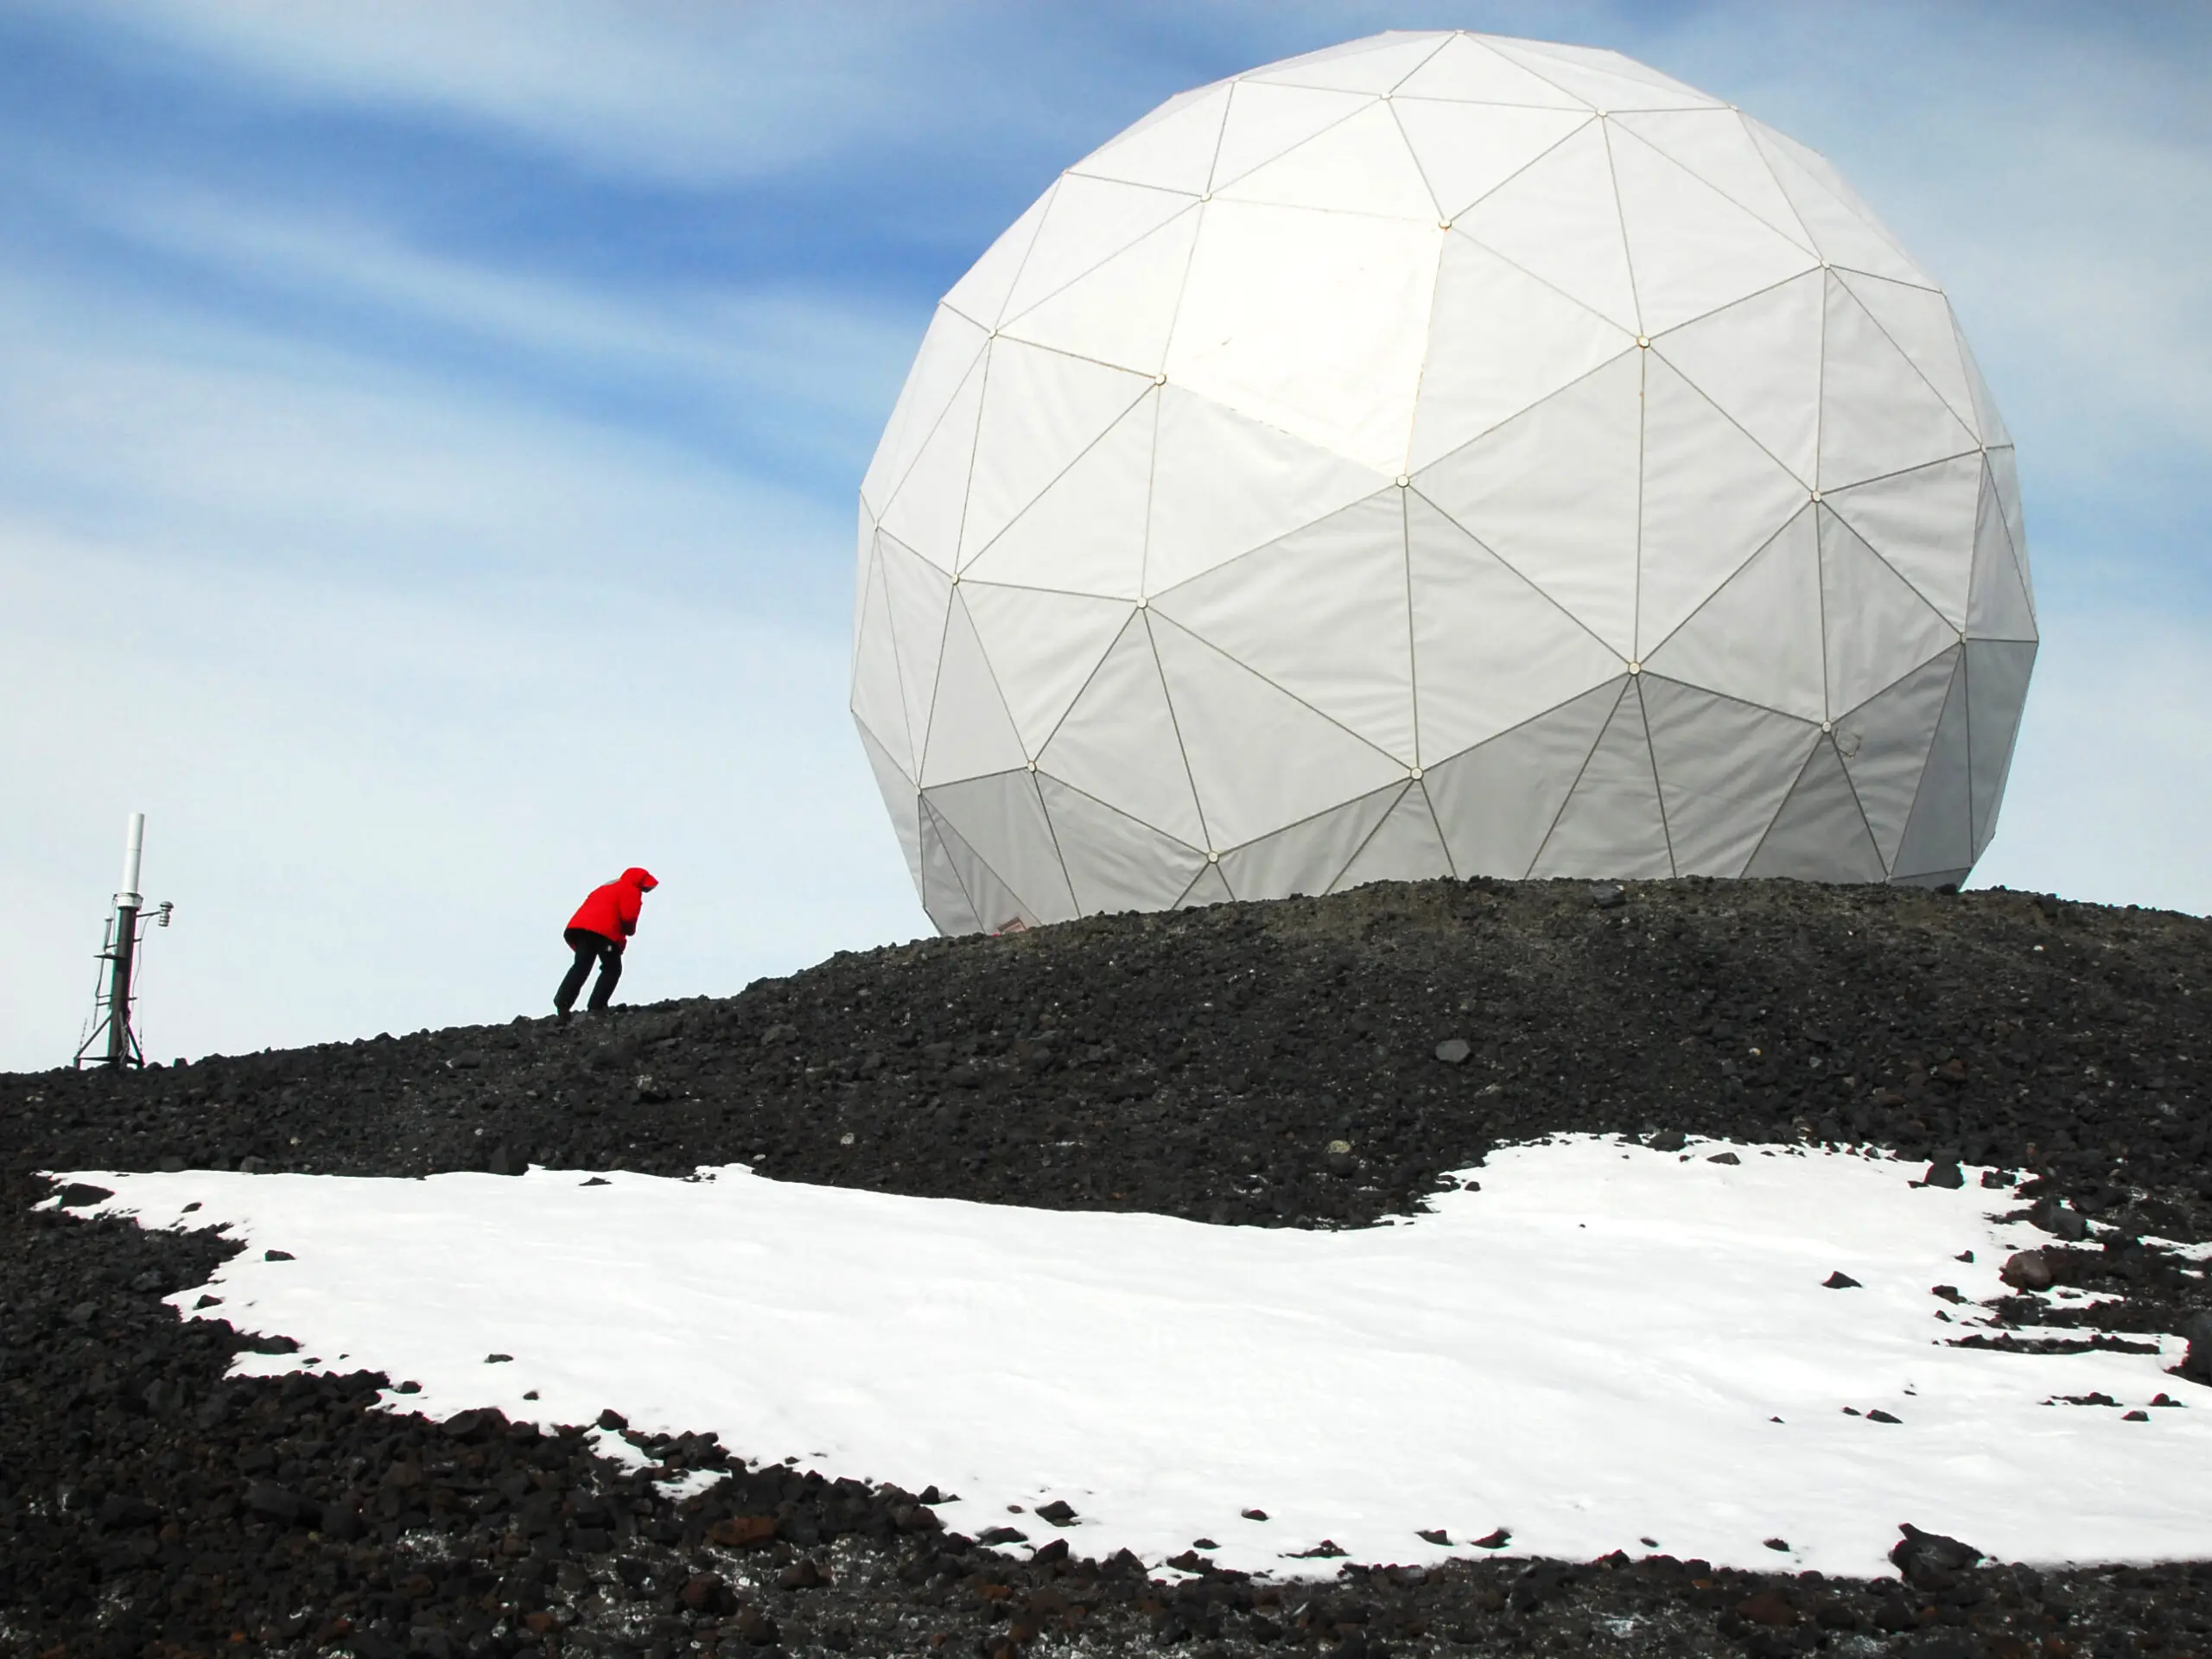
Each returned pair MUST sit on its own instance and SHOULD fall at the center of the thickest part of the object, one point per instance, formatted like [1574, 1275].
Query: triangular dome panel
[1002, 821]
[1369, 66]
[1604, 80]
[1091, 220]
[1725, 768]
[1714, 145]
[1878, 415]
[1997, 691]
[1322, 612]
[1559, 219]
[1759, 359]
[1223, 484]
[926, 509]
[1172, 149]
[1265, 121]
[1490, 650]
[1042, 411]
[1878, 629]
[1113, 861]
[1334, 358]
[949, 354]
[1208, 888]
[1711, 498]
[1123, 312]
[2002, 468]
[1613, 824]
[1468, 69]
[1918, 321]
[1997, 606]
[1923, 523]
[970, 734]
[1841, 227]
[1359, 165]
[943, 896]
[980, 296]
[1939, 836]
[1043, 648]
[995, 905]
[878, 702]
[1884, 743]
[1691, 249]
[1085, 533]
[917, 594]
[1118, 743]
[1405, 847]
[1496, 803]
[1760, 638]
[1499, 342]
[901, 799]
[1819, 835]
[1554, 493]
[1307, 856]
[1259, 757]
[1987, 420]
[1467, 150]
[1603, 61]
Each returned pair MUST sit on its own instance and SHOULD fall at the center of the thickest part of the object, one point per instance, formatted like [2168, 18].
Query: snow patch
[1604, 1343]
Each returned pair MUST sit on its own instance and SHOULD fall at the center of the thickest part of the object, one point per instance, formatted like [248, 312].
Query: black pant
[589, 947]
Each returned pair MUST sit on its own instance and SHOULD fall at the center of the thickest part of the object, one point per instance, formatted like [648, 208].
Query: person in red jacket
[597, 933]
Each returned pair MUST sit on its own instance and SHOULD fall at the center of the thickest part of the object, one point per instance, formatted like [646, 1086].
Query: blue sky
[428, 438]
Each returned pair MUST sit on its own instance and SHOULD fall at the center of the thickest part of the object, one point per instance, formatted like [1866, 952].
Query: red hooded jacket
[611, 911]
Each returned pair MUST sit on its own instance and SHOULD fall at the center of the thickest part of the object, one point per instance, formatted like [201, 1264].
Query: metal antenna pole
[111, 1004]
[121, 1045]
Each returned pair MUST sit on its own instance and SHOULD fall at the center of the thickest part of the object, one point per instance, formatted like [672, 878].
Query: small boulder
[742, 1531]
[802, 1575]
[2060, 1221]
[2196, 1330]
[704, 1592]
[1841, 1281]
[1454, 1050]
[1059, 1512]
[1768, 1609]
[80, 1195]
[2027, 1270]
[1724, 1158]
[1945, 1175]
[1929, 1559]
[1608, 895]
[270, 1502]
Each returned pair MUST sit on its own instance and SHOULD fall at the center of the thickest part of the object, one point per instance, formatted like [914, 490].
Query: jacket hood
[641, 879]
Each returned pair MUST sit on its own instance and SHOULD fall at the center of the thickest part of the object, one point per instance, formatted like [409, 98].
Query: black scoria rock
[1199, 1064]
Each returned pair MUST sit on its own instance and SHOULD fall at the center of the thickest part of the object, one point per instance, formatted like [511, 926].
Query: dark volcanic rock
[1201, 1064]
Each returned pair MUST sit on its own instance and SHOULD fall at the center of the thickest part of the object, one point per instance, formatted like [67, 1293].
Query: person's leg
[586, 946]
[610, 973]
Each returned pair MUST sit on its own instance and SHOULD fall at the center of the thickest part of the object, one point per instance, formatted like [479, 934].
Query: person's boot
[560, 1014]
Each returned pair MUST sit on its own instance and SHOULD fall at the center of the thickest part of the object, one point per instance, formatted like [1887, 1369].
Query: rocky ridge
[1313, 1063]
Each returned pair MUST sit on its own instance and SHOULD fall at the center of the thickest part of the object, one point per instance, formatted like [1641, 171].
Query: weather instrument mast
[112, 1041]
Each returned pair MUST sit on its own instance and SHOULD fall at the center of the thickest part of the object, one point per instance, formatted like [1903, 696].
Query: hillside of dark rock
[1311, 1062]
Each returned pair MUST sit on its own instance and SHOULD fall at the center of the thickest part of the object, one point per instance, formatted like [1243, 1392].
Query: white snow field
[1604, 1345]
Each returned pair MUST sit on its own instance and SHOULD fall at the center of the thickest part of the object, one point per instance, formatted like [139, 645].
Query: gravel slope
[1294, 1063]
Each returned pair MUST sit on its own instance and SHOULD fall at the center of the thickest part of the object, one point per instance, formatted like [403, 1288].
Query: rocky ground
[1313, 1063]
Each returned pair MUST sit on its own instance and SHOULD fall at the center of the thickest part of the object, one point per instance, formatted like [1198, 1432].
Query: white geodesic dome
[1437, 455]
